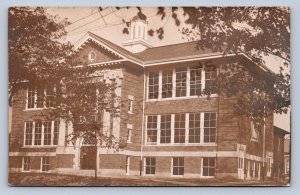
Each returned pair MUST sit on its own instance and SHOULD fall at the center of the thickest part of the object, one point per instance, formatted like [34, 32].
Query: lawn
[51, 179]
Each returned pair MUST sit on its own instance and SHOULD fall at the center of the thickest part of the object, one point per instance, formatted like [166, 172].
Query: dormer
[138, 34]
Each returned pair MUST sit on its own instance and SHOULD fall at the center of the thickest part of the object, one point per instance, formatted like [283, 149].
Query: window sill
[254, 140]
[33, 109]
[180, 98]
[177, 175]
[43, 146]
[149, 175]
[207, 177]
[183, 144]
[38, 109]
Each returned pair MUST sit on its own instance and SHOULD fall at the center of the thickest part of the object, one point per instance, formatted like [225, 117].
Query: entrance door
[88, 157]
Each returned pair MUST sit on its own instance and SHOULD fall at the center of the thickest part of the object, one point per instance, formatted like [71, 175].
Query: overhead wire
[91, 22]
[108, 25]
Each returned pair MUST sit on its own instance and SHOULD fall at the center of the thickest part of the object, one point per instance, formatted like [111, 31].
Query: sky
[108, 24]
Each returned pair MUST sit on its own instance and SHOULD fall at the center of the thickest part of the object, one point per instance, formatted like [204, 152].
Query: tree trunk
[96, 159]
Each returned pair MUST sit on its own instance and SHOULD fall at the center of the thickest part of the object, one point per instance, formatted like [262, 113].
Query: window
[179, 131]
[50, 97]
[45, 163]
[127, 164]
[28, 133]
[92, 56]
[195, 80]
[41, 133]
[194, 128]
[38, 133]
[181, 77]
[182, 128]
[210, 79]
[269, 164]
[254, 132]
[165, 129]
[47, 133]
[287, 166]
[26, 163]
[130, 104]
[209, 127]
[30, 98]
[178, 166]
[208, 167]
[37, 98]
[153, 85]
[167, 84]
[241, 163]
[152, 129]
[129, 136]
[55, 132]
[150, 166]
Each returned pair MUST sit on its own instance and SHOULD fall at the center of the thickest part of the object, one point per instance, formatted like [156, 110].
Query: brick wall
[132, 84]
[112, 161]
[102, 55]
[15, 161]
[163, 166]
[64, 160]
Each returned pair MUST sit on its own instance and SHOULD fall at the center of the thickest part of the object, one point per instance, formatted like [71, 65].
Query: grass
[52, 179]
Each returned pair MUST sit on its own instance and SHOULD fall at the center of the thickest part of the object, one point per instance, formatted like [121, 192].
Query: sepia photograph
[149, 96]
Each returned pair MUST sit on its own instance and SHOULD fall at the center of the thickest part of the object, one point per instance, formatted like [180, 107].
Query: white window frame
[23, 164]
[159, 86]
[129, 133]
[187, 96]
[130, 104]
[42, 163]
[36, 97]
[202, 168]
[160, 130]
[43, 135]
[172, 167]
[145, 166]
[127, 165]
[186, 142]
[254, 133]
[157, 130]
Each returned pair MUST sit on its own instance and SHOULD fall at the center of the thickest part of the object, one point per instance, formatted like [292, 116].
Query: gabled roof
[108, 45]
[170, 51]
[158, 55]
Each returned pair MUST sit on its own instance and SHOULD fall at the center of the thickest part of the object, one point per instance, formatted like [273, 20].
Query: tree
[256, 32]
[36, 54]
[82, 104]
[38, 59]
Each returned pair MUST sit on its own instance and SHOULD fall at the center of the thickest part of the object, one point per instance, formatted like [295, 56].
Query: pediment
[92, 53]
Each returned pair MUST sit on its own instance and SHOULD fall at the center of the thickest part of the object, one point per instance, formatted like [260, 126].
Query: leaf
[161, 11]
[125, 31]
[160, 33]
[151, 32]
